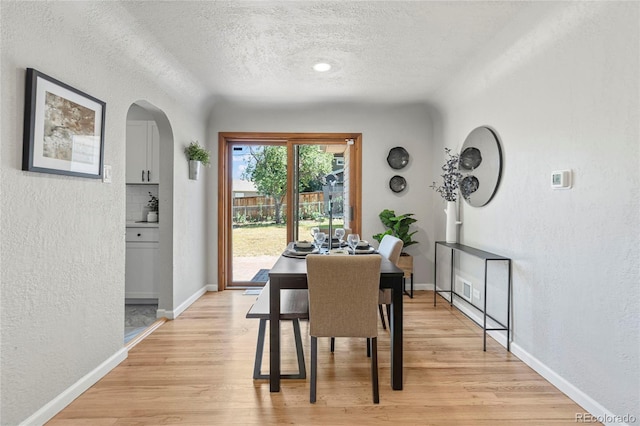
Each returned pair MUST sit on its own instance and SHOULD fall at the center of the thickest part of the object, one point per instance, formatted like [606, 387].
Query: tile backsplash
[137, 198]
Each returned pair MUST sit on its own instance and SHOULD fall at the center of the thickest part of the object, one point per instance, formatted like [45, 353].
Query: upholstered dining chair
[390, 247]
[343, 294]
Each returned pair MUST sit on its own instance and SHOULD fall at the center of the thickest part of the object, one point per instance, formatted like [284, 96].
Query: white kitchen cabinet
[143, 152]
[141, 279]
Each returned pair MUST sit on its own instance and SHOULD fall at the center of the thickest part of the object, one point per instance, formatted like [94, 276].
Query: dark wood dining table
[291, 273]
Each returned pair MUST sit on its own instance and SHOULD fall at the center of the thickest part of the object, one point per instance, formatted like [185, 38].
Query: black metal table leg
[274, 335]
[396, 335]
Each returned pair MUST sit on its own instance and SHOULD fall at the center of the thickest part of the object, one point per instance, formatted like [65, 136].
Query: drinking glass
[319, 239]
[340, 236]
[314, 231]
[352, 240]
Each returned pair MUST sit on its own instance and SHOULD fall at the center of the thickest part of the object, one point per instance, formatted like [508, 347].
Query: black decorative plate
[398, 157]
[397, 183]
[470, 158]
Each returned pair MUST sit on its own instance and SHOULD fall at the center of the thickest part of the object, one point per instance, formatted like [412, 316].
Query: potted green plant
[196, 154]
[398, 226]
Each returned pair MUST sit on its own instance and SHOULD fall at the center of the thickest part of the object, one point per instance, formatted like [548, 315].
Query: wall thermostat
[561, 179]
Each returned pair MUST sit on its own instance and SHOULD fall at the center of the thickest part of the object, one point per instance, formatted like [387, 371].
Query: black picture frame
[63, 128]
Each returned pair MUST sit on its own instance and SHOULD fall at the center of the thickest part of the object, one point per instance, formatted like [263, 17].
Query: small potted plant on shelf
[196, 154]
[152, 215]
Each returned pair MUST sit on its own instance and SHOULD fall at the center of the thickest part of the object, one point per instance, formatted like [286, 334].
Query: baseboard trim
[498, 336]
[140, 337]
[418, 286]
[589, 404]
[65, 398]
[53, 407]
[163, 313]
[173, 314]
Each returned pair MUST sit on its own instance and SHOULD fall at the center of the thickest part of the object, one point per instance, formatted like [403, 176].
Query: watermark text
[605, 418]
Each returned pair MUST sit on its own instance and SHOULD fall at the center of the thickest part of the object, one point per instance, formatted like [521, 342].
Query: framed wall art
[63, 128]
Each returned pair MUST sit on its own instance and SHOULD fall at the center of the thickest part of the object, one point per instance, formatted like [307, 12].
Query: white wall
[564, 95]
[63, 246]
[382, 128]
[137, 113]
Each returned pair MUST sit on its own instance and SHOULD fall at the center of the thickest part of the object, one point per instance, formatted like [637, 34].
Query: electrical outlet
[476, 294]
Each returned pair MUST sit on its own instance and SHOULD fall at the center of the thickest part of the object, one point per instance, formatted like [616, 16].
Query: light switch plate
[106, 174]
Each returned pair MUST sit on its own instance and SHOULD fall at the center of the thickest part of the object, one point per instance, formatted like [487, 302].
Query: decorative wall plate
[397, 183]
[398, 157]
[470, 159]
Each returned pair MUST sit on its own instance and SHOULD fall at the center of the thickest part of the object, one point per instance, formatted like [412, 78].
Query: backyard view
[259, 234]
[252, 240]
[257, 246]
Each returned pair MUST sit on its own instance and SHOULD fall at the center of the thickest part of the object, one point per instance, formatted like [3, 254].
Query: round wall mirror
[481, 166]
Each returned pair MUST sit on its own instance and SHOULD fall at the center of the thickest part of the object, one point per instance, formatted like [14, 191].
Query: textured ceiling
[382, 51]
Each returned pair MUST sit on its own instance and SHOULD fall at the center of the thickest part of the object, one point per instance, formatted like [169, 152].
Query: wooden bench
[294, 306]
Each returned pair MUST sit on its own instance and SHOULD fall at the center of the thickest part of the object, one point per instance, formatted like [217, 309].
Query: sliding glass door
[273, 189]
[258, 220]
[318, 187]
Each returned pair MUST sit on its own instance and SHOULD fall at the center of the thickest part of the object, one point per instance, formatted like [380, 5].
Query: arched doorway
[149, 180]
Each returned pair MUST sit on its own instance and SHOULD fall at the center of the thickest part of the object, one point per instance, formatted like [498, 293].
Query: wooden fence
[262, 209]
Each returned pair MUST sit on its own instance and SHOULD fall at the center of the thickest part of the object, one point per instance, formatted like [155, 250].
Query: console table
[486, 257]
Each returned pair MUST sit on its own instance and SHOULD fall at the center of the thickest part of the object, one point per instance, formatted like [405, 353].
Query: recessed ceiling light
[322, 67]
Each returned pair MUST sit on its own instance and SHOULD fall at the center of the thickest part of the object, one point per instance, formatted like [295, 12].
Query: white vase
[194, 169]
[451, 235]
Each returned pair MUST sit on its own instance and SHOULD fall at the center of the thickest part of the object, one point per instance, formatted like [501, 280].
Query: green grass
[259, 240]
[269, 239]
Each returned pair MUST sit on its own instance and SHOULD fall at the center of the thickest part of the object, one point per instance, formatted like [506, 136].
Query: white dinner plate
[291, 251]
[370, 250]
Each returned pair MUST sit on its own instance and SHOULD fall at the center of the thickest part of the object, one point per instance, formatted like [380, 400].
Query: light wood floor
[197, 370]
